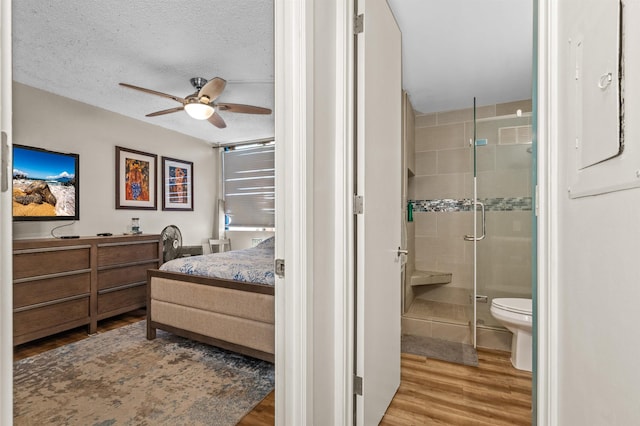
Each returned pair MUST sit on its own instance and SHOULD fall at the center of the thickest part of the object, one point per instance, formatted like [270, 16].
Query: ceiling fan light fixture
[200, 105]
[199, 111]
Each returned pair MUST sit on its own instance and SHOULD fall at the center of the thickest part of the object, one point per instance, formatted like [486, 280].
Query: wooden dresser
[59, 284]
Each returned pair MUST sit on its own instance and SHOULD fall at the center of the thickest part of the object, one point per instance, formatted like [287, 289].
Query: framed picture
[136, 179]
[177, 184]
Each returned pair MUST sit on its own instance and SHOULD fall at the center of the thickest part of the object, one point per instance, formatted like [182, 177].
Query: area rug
[444, 350]
[121, 378]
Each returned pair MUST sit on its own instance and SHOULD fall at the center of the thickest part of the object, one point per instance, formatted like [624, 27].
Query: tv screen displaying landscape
[45, 184]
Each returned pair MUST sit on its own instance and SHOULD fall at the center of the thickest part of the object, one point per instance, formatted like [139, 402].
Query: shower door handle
[484, 234]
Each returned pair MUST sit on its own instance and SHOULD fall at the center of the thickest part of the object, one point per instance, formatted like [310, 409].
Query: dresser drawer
[73, 312]
[47, 261]
[117, 276]
[31, 292]
[122, 300]
[113, 254]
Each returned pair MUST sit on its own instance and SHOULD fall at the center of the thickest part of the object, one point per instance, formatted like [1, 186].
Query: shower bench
[430, 278]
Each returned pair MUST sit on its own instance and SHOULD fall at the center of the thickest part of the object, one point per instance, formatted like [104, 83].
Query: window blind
[249, 186]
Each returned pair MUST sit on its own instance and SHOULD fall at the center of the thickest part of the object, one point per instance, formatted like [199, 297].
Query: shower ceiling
[453, 50]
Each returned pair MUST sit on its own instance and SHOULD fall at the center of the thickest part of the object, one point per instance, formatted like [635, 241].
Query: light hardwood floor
[431, 392]
[263, 415]
[435, 392]
[42, 345]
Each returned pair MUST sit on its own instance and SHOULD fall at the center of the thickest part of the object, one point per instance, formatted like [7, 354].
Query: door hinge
[358, 204]
[357, 385]
[280, 267]
[358, 24]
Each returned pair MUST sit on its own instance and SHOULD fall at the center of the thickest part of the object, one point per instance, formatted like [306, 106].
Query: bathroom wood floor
[434, 392]
[431, 392]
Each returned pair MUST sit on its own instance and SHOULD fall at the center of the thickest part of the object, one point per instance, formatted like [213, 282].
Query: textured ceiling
[82, 49]
[453, 50]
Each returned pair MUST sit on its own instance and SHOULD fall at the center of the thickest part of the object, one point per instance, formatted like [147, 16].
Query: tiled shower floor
[452, 322]
[439, 311]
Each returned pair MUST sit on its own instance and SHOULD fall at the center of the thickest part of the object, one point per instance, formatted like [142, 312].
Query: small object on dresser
[69, 237]
[135, 225]
[104, 234]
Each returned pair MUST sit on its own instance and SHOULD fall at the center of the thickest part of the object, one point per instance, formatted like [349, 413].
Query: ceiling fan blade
[213, 88]
[217, 121]
[153, 92]
[165, 111]
[245, 109]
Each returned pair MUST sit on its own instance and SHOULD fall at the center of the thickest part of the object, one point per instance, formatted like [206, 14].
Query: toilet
[515, 314]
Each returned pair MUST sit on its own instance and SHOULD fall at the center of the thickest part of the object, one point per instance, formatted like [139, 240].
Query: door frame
[293, 180]
[297, 393]
[6, 225]
[547, 390]
[345, 221]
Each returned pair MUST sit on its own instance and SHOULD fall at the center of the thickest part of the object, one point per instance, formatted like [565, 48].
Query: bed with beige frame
[222, 299]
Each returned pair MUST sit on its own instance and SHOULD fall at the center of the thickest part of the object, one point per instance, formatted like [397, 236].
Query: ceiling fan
[200, 105]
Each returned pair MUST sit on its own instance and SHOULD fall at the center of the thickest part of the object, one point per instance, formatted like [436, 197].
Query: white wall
[45, 120]
[598, 288]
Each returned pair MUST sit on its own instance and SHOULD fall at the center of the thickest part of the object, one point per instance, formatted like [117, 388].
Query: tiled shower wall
[444, 171]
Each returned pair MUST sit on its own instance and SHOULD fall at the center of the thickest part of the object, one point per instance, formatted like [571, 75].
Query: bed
[222, 299]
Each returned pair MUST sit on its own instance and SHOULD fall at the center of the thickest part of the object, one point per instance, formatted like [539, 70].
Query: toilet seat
[515, 305]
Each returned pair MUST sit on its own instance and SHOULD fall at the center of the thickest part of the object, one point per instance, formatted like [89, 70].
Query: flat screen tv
[45, 184]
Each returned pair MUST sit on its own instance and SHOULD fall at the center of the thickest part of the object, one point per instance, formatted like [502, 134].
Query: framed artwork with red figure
[177, 184]
[136, 177]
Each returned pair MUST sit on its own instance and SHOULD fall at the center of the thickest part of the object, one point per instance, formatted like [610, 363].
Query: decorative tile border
[444, 205]
[465, 204]
[508, 204]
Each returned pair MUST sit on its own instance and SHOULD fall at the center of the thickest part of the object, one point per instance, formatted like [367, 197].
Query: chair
[218, 246]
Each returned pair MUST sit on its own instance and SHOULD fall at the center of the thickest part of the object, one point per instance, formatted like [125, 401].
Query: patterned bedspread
[254, 265]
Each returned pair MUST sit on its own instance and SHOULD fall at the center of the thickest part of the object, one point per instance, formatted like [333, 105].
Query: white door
[6, 259]
[378, 267]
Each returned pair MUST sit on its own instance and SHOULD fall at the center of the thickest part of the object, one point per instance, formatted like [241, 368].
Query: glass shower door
[502, 169]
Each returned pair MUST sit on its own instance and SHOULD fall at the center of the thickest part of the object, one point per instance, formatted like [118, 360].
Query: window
[249, 187]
